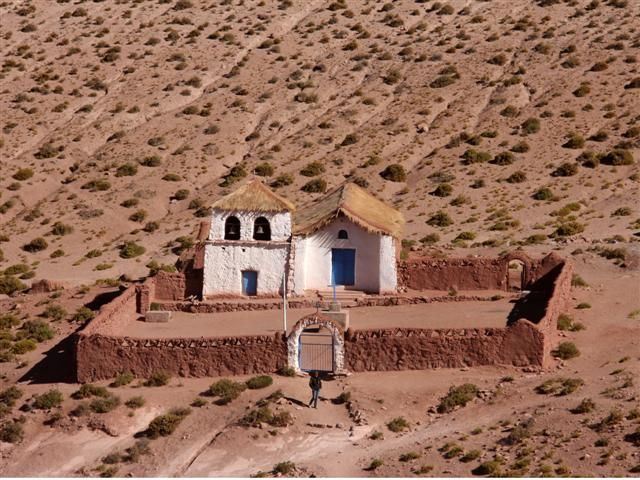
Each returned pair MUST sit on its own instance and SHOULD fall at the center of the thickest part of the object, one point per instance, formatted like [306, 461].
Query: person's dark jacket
[315, 383]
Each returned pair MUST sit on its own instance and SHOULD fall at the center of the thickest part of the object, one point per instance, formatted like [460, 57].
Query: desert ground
[491, 125]
[486, 123]
[586, 423]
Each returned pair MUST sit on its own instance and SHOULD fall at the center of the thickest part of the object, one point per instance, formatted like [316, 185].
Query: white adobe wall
[280, 224]
[375, 268]
[299, 248]
[223, 266]
[388, 270]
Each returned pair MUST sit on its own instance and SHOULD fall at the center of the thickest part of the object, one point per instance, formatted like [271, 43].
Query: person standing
[316, 384]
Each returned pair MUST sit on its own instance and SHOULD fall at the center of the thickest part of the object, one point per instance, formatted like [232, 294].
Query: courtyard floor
[466, 314]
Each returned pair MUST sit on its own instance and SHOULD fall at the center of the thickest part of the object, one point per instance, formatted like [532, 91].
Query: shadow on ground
[57, 366]
[530, 306]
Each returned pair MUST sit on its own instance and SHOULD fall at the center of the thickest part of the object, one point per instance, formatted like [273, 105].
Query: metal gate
[315, 352]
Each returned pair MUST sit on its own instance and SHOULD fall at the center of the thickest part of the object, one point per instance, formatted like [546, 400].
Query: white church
[259, 244]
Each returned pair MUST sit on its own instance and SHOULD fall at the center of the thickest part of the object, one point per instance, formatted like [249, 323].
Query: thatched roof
[254, 196]
[354, 203]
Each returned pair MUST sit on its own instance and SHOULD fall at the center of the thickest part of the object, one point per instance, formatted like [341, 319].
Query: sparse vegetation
[457, 397]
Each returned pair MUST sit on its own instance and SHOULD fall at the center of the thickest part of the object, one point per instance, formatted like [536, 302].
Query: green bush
[442, 190]
[10, 285]
[282, 180]
[135, 402]
[559, 386]
[394, 173]
[344, 397]
[312, 169]
[165, 425]
[471, 156]
[407, 457]
[226, 390]
[375, 464]
[122, 379]
[286, 371]
[23, 346]
[98, 185]
[585, 406]
[60, 229]
[104, 405]
[578, 281]
[398, 424]
[568, 229]
[530, 126]
[457, 396]
[35, 245]
[430, 239]
[83, 315]
[171, 177]
[574, 140]
[566, 351]
[503, 159]
[50, 399]
[490, 468]
[317, 185]
[567, 169]
[126, 170]
[10, 396]
[260, 381]
[35, 330]
[8, 320]
[158, 379]
[617, 157]
[349, 139]
[520, 432]
[264, 169]
[470, 456]
[54, 312]
[151, 161]
[517, 177]
[11, 432]
[257, 416]
[236, 173]
[284, 468]
[23, 174]
[88, 390]
[131, 249]
[440, 219]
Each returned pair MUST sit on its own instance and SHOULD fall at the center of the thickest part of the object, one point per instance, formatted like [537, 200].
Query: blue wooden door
[249, 282]
[343, 266]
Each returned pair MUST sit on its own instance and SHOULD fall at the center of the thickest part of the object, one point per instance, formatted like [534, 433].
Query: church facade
[259, 244]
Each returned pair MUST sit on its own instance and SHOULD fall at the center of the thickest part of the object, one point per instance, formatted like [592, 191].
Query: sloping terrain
[581, 417]
[122, 121]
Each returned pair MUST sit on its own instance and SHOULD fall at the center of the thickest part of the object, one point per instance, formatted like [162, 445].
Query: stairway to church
[345, 297]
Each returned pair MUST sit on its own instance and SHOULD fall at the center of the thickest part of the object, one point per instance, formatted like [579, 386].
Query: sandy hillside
[122, 121]
[587, 422]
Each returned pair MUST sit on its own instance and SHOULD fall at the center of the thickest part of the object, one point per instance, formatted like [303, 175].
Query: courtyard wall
[103, 351]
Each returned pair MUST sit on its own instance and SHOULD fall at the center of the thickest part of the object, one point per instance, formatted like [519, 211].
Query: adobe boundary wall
[102, 353]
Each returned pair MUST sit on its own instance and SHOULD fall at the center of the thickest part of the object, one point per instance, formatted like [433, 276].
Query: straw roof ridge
[355, 203]
[254, 196]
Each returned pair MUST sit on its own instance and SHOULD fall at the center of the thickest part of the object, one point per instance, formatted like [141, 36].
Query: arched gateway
[310, 349]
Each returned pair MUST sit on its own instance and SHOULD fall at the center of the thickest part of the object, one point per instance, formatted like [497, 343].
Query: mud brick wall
[417, 349]
[114, 315]
[101, 357]
[169, 286]
[559, 301]
[459, 273]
